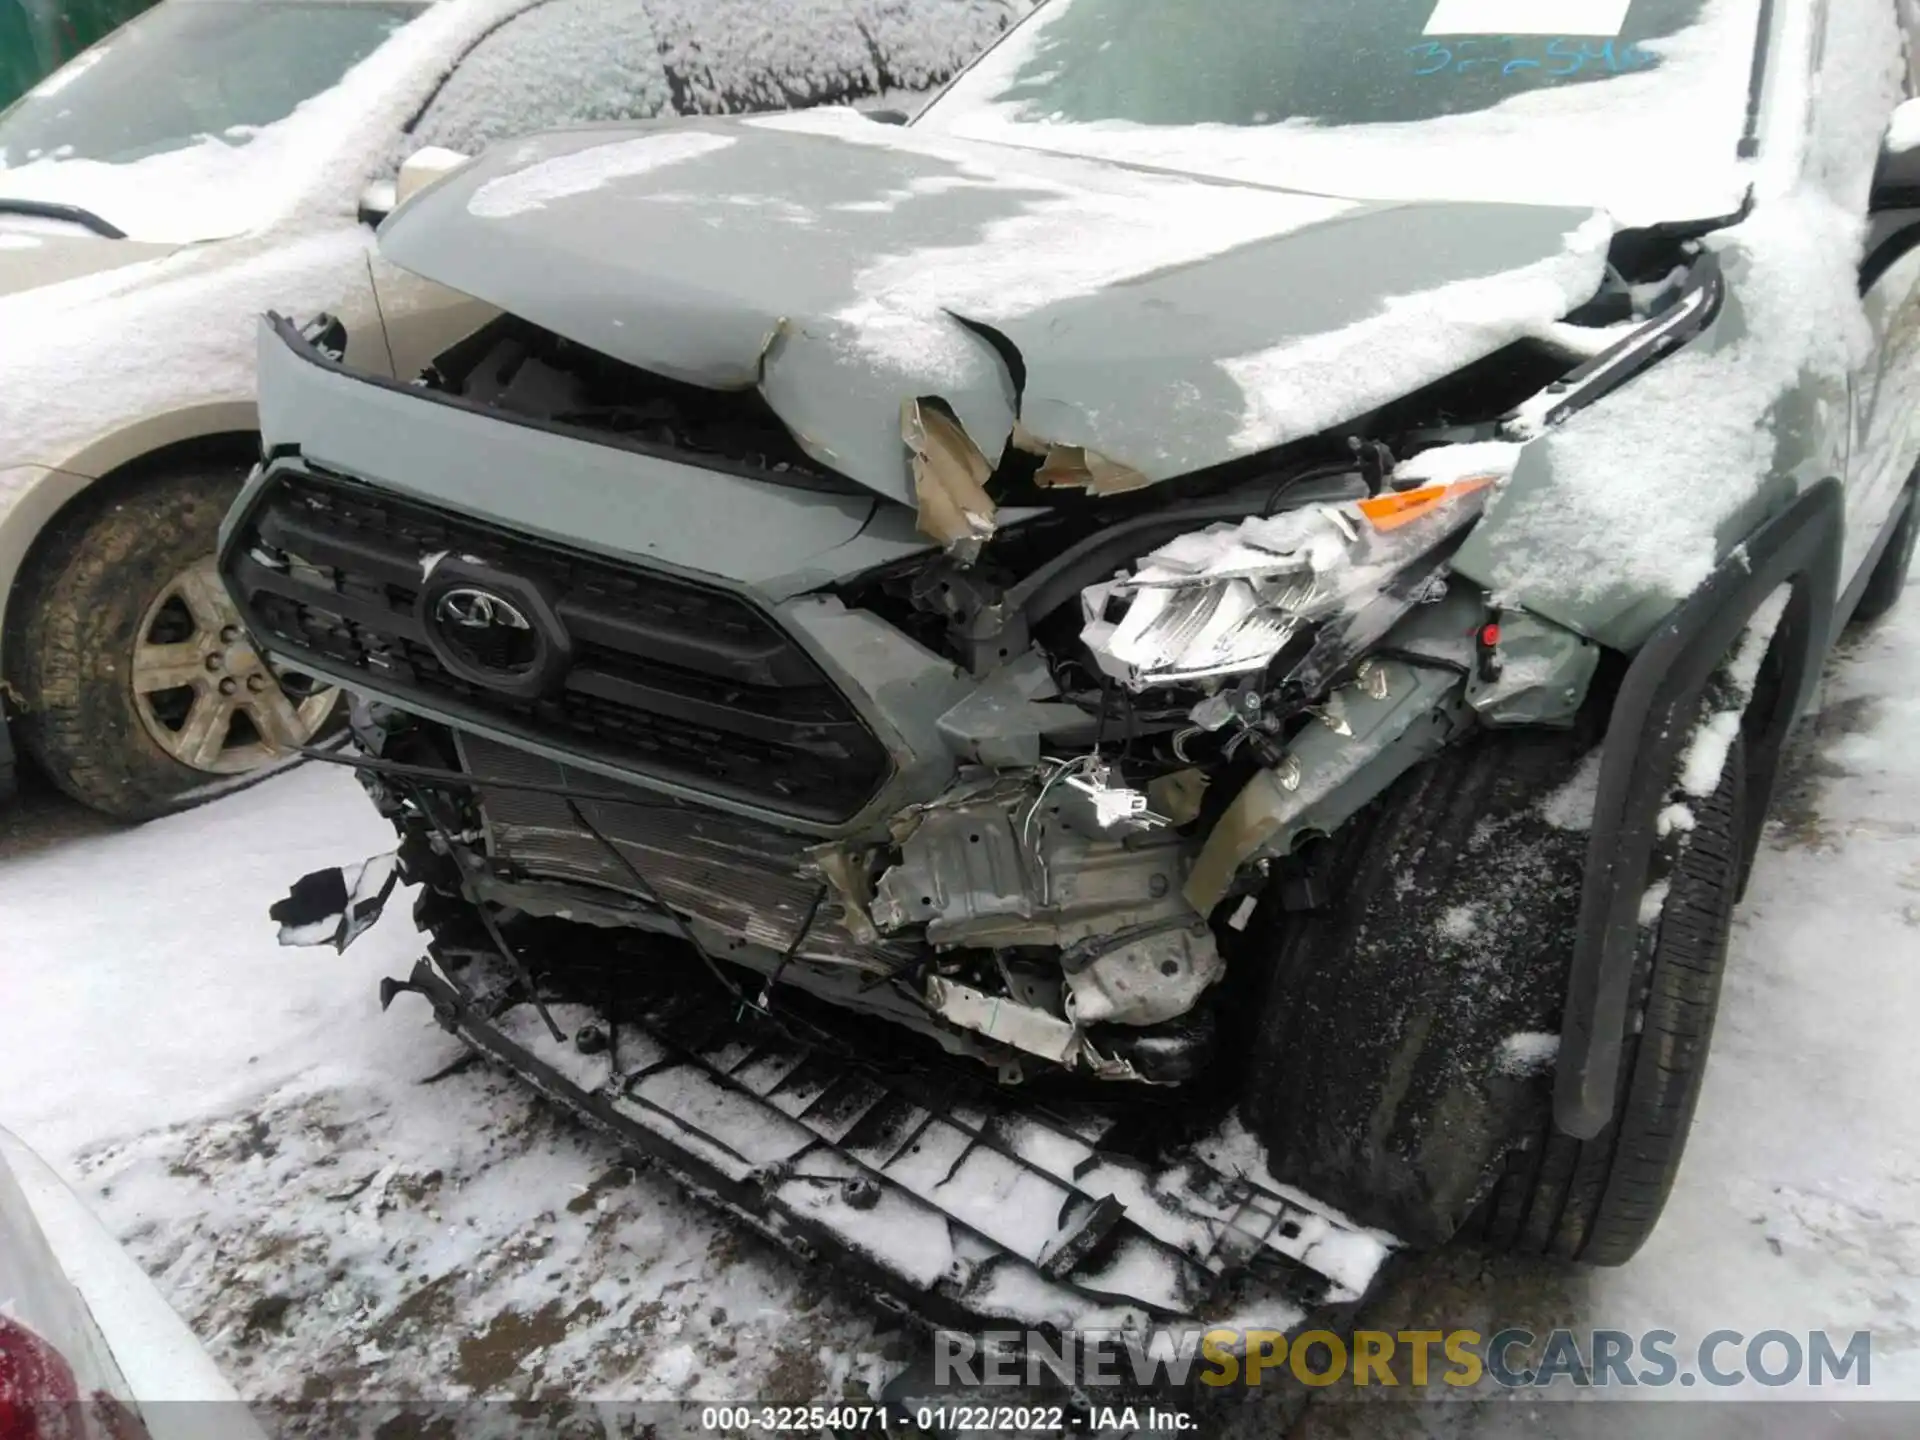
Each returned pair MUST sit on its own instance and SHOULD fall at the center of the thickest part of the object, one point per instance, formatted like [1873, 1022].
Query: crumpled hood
[29, 260]
[1164, 323]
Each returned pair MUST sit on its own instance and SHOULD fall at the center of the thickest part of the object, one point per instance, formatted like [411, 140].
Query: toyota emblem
[475, 609]
[489, 636]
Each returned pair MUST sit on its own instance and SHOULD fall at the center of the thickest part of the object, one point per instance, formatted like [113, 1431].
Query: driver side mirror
[377, 202]
[1896, 183]
[419, 170]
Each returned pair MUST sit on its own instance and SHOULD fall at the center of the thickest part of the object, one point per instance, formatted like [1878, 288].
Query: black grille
[670, 679]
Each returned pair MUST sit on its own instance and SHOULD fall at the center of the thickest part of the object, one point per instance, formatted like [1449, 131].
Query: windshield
[192, 70]
[1556, 101]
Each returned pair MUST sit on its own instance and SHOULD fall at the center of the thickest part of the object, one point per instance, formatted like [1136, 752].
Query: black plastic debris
[333, 906]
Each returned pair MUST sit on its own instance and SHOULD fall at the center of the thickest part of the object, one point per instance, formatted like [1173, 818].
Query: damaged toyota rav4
[1153, 682]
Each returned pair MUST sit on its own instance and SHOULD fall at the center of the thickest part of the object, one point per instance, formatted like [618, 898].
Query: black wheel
[1889, 576]
[1598, 1200]
[138, 692]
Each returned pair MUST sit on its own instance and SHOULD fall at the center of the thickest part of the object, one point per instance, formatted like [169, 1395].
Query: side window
[558, 64]
[732, 56]
[572, 61]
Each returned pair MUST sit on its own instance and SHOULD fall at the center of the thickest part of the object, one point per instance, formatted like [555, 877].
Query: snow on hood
[314, 161]
[1166, 322]
[115, 343]
[29, 259]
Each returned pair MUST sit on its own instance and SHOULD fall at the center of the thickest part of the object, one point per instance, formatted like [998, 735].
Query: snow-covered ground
[342, 1207]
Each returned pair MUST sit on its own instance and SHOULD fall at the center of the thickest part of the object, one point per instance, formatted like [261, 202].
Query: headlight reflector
[1225, 600]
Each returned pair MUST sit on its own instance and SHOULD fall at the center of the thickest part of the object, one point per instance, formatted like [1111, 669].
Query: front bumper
[944, 1198]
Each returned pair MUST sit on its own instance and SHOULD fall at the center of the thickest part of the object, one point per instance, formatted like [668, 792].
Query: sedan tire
[138, 691]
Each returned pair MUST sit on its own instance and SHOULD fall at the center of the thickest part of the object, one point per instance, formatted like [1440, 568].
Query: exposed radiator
[743, 879]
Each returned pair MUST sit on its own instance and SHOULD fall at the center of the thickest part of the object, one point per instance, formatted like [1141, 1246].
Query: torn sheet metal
[335, 906]
[995, 874]
[1225, 600]
[1074, 467]
[1023, 1027]
[949, 480]
[1153, 349]
[1387, 721]
[850, 872]
[1532, 673]
[1152, 977]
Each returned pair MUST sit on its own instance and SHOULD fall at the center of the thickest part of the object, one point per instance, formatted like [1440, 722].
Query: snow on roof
[607, 49]
[731, 56]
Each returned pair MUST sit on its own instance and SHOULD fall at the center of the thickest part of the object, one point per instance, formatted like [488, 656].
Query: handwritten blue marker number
[1559, 57]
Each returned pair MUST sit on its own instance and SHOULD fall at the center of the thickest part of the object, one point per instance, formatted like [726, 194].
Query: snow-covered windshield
[1637, 106]
[220, 68]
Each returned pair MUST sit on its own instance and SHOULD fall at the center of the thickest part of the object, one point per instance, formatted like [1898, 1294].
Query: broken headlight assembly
[1276, 605]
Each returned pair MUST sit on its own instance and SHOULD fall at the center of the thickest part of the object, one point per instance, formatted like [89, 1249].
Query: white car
[88, 1346]
[213, 159]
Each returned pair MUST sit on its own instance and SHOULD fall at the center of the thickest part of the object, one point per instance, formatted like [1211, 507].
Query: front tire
[1402, 1065]
[138, 691]
[1598, 1200]
[1377, 1075]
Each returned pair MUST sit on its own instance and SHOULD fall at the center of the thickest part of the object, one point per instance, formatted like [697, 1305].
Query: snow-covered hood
[845, 267]
[29, 261]
[206, 191]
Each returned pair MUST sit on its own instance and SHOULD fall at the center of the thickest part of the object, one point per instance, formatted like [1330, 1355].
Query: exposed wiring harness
[491, 925]
[414, 777]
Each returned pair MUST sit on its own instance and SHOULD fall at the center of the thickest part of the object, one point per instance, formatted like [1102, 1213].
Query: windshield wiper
[73, 214]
